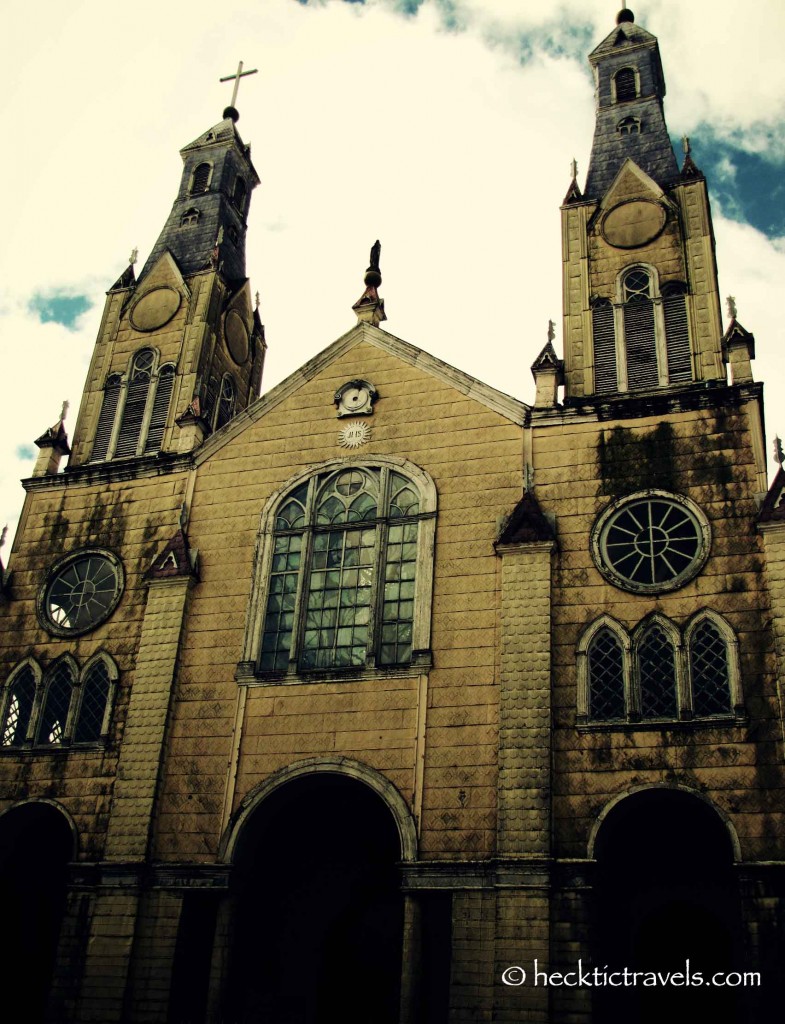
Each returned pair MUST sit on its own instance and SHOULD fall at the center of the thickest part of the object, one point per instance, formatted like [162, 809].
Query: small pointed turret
[369, 307]
[53, 445]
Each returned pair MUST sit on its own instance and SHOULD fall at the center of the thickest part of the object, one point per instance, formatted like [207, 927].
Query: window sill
[57, 749]
[652, 724]
[248, 674]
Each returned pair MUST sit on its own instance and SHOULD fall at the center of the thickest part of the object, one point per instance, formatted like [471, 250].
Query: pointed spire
[738, 347]
[369, 307]
[779, 455]
[574, 194]
[54, 445]
[688, 168]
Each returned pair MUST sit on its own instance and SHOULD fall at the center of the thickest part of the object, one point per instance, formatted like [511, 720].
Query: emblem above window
[81, 591]
[651, 542]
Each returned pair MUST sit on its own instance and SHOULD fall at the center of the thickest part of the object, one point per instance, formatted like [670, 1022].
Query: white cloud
[364, 124]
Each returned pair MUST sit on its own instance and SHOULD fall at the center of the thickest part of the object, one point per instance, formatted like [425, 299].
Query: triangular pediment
[633, 35]
[241, 303]
[364, 333]
[773, 507]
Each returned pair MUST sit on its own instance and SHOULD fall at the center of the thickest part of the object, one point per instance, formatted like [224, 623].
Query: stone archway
[37, 842]
[665, 894]
[318, 912]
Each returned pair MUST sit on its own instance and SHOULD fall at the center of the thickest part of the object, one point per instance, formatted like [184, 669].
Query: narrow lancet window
[606, 677]
[657, 667]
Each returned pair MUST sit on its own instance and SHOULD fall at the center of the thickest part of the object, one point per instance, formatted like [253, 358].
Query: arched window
[626, 85]
[18, 707]
[606, 677]
[201, 179]
[709, 670]
[225, 402]
[191, 216]
[343, 583]
[657, 674]
[57, 701]
[103, 432]
[163, 396]
[135, 403]
[629, 126]
[96, 684]
[639, 331]
[239, 194]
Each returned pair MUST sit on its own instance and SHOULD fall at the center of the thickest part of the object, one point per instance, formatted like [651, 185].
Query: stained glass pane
[710, 676]
[606, 677]
[95, 693]
[18, 709]
[398, 604]
[351, 496]
[55, 711]
[279, 616]
[338, 600]
[657, 666]
[83, 593]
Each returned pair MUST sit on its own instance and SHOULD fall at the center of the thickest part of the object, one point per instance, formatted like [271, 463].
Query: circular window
[651, 542]
[81, 591]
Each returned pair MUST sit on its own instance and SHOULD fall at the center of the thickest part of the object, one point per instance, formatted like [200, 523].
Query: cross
[732, 311]
[237, 76]
[133, 257]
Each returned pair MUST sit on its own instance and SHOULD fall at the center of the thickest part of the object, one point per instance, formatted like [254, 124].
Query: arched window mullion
[303, 577]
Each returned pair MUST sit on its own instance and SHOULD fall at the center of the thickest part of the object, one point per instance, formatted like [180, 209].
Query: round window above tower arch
[651, 542]
[80, 592]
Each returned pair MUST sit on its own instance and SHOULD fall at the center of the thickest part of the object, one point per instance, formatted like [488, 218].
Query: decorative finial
[685, 145]
[64, 410]
[134, 256]
[231, 110]
[183, 515]
[732, 311]
[3, 535]
[779, 455]
[551, 330]
[373, 275]
[624, 15]
[574, 169]
[258, 300]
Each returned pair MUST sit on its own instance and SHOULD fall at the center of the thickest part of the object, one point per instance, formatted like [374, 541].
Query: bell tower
[642, 310]
[181, 348]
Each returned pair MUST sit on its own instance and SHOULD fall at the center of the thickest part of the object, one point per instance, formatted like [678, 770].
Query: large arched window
[606, 677]
[57, 702]
[349, 570]
[657, 673]
[201, 179]
[645, 341]
[160, 410]
[97, 683]
[103, 432]
[140, 402]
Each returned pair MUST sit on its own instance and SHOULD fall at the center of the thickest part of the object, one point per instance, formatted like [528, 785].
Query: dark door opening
[317, 936]
[666, 906]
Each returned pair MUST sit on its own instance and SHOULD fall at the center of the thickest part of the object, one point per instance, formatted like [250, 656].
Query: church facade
[390, 716]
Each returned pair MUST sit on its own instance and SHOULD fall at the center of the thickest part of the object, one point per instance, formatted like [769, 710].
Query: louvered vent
[163, 396]
[626, 88]
[135, 403]
[640, 343]
[103, 432]
[201, 178]
[677, 337]
[605, 379]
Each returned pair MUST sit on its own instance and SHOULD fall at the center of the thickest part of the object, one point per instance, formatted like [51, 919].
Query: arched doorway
[36, 845]
[318, 921]
[666, 894]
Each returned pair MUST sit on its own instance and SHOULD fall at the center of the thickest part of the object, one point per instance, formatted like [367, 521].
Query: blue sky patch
[25, 451]
[59, 309]
[748, 186]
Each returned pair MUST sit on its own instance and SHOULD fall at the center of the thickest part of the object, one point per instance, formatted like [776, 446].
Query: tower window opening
[225, 402]
[191, 216]
[629, 126]
[234, 236]
[239, 194]
[626, 84]
[201, 179]
[135, 403]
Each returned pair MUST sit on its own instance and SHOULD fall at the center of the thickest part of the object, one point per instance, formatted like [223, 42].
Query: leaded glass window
[18, 709]
[657, 671]
[54, 715]
[343, 573]
[92, 707]
[606, 677]
[81, 593]
[710, 674]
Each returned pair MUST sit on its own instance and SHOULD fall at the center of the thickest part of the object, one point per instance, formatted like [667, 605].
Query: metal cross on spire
[237, 76]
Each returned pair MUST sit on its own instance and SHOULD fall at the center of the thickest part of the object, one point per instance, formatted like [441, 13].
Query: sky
[445, 128]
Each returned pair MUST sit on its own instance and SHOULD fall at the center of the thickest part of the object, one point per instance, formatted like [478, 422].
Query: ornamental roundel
[80, 592]
[155, 308]
[354, 434]
[633, 223]
[651, 542]
[236, 334]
